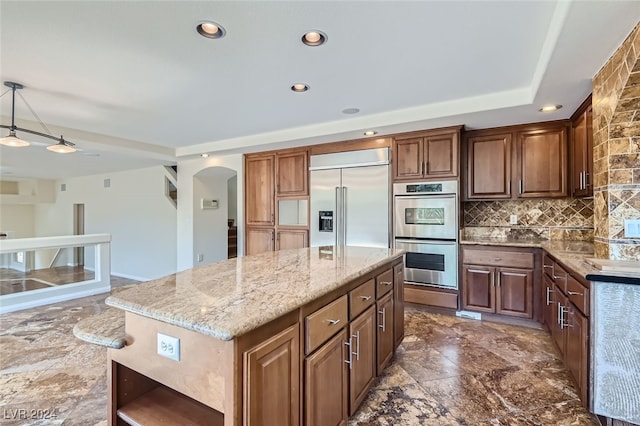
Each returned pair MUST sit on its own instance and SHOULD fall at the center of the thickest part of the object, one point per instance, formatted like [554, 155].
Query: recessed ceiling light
[550, 108]
[350, 111]
[314, 38]
[370, 133]
[205, 155]
[210, 29]
[300, 87]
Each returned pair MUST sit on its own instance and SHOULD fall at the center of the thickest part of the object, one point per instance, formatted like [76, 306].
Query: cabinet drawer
[361, 298]
[384, 283]
[325, 322]
[507, 259]
[578, 295]
[560, 277]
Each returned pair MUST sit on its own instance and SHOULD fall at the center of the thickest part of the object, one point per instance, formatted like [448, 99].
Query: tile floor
[448, 371]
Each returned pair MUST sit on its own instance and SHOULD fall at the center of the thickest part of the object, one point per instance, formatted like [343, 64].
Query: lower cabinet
[385, 331]
[499, 282]
[291, 239]
[272, 380]
[576, 349]
[259, 240]
[398, 304]
[326, 390]
[362, 364]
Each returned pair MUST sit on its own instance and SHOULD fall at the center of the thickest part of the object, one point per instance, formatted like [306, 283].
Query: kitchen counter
[230, 298]
[572, 254]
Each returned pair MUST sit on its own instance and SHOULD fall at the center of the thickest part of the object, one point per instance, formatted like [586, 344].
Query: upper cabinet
[259, 190]
[581, 151]
[426, 155]
[528, 161]
[291, 174]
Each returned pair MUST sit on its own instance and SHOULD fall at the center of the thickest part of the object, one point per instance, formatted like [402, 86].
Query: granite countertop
[572, 254]
[232, 297]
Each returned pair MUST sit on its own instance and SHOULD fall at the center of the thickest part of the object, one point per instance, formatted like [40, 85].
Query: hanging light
[62, 147]
[12, 140]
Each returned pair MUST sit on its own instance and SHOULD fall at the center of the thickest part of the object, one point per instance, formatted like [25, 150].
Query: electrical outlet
[200, 257]
[513, 219]
[169, 347]
[632, 228]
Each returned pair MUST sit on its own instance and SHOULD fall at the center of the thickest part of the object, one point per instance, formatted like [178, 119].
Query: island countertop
[232, 297]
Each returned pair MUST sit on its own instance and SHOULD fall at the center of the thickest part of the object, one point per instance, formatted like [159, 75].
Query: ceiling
[133, 84]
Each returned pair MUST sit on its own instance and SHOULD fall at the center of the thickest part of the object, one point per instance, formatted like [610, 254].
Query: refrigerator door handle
[344, 215]
[337, 220]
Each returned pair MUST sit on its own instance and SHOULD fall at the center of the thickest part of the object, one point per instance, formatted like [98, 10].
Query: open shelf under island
[288, 337]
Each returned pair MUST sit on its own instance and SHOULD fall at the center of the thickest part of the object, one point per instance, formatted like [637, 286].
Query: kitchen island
[285, 337]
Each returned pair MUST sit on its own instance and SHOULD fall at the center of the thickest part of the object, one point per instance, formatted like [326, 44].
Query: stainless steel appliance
[350, 198]
[426, 226]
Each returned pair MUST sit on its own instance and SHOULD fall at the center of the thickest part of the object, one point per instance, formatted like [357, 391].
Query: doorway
[78, 229]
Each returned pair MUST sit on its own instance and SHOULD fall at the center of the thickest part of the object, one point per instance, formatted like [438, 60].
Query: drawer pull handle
[384, 319]
[549, 291]
[497, 259]
[333, 322]
[365, 298]
[575, 293]
[558, 277]
[547, 266]
[350, 360]
[386, 282]
[357, 352]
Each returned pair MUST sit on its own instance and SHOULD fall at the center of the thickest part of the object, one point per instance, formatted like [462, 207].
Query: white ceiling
[133, 81]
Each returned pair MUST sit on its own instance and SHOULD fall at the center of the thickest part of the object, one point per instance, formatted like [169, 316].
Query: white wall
[17, 220]
[210, 225]
[187, 169]
[134, 210]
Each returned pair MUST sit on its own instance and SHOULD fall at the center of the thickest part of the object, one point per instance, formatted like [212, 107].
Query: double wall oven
[426, 226]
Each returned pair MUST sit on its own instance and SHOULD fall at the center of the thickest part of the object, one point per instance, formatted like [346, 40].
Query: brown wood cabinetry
[362, 367]
[581, 151]
[272, 380]
[526, 161]
[384, 307]
[398, 304]
[498, 281]
[426, 155]
[269, 178]
[566, 314]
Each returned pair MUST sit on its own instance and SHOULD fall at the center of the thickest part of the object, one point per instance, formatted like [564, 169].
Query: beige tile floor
[448, 371]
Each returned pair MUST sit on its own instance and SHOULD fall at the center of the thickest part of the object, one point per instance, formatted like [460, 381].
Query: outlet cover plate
[169, 346]
[632, 228]
[513, 219]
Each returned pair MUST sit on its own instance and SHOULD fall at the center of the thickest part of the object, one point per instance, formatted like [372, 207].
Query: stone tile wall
[565, 218]
[616, 153]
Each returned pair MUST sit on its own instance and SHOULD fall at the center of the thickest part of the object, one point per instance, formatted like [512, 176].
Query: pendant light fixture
[12, 140]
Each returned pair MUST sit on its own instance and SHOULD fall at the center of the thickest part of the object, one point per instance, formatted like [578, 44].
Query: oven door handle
[432, 242]
[418, 196]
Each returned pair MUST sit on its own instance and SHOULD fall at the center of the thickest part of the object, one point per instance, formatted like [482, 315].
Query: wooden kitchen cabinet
[259, 190]
[426, 155]
[259, 240]
[272, 380]
[499, 281]
[326, 384]
[385, 342]
[541, 159]
[398, 304]
[581, 151]
[292, 173]
[292, 239]
[489, 166]
[362, 370]
[525, 161]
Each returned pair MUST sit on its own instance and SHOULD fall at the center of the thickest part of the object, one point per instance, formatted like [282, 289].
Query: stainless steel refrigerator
[350, 198]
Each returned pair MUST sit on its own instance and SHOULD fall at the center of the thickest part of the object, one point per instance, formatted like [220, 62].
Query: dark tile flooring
[448, 371]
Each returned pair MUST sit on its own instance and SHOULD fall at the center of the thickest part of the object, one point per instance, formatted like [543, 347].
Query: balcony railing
[40, 271]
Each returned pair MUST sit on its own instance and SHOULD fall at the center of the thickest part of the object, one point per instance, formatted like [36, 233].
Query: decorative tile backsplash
[565, 218]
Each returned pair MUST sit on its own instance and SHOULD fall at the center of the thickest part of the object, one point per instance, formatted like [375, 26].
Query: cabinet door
[362, 370]
[291, 174]
[441, 155]
[259, 240]
[557, 329]
[291, 239]
[548, 300]
[408, 158]
[272, 380]
[259, 190]
[582, 155]
[514, 292]
[542, 163]
[489, 167]
[576, 355]
[385, 330]
[326, 387]
[398, 304]
[478, 286]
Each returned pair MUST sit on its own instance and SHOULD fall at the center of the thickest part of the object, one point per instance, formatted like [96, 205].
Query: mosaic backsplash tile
[554, 219]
